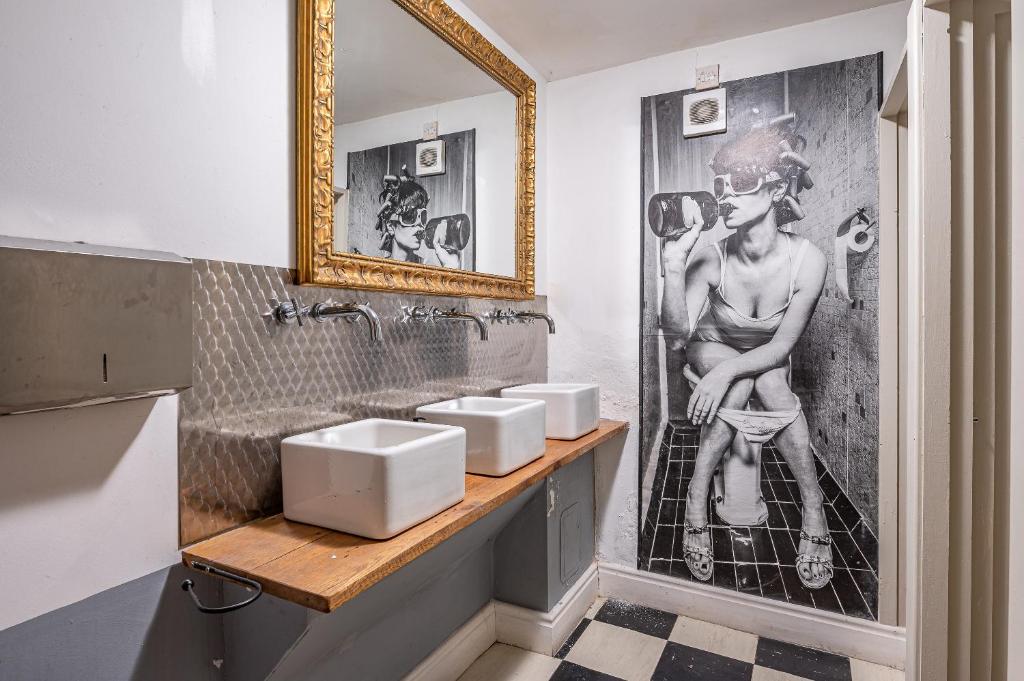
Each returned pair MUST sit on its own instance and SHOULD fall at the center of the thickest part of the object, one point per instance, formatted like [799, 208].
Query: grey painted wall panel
[571, 532]
[521, 555]
[258, 637]
[145, 630]
[387, 630]
[533, 565]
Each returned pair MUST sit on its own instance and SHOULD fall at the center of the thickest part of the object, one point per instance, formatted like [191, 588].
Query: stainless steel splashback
[256, 382]
[86, 324]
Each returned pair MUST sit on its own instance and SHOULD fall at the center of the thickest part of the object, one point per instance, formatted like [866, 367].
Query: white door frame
[961, 577]
[892, 139]
[927, 323]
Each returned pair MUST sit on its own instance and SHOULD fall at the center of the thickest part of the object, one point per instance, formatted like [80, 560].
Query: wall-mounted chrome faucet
[292, 311]
[511, 316]
[321, 312]
[422, 313]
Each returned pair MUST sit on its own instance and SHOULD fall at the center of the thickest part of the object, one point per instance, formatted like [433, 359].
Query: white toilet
[738, 499]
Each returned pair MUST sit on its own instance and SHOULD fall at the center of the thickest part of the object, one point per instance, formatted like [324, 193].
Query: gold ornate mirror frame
[318, 262]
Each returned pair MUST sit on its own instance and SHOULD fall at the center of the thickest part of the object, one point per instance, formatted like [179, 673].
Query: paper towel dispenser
[86, 324]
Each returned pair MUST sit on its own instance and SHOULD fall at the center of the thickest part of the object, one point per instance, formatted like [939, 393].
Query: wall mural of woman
[741, 301]
[739, 346]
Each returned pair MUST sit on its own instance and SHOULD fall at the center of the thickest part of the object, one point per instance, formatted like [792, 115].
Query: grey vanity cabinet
[549, 544]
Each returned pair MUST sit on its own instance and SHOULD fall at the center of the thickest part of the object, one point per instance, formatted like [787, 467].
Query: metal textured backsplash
[255, 382]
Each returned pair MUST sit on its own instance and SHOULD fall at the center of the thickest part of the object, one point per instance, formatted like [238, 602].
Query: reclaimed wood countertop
[322, 569]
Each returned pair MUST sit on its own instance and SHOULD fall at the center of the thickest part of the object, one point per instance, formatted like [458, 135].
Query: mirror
[416, 167]
[447, 201]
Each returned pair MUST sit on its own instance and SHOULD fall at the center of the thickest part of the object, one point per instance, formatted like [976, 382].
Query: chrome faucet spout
[538, 315]
[510, 316]
[323, 311]
[423, 314]
[453, 314]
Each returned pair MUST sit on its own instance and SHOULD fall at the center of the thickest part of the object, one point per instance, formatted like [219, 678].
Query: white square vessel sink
[373, 478]
[573, 409]
[501, 434]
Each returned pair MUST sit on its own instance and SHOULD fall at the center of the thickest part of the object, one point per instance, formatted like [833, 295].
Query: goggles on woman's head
[410, 217]
[745, 180]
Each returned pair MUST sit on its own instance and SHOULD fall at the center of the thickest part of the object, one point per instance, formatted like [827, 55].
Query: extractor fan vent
[705, 113]
[430, 158]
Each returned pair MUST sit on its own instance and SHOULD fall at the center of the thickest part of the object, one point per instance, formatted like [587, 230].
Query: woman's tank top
[720, 322]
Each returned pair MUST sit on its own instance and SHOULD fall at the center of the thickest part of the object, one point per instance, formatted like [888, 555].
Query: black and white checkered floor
[619, 641]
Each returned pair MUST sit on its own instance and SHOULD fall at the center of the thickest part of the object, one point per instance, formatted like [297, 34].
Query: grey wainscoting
[143, 630]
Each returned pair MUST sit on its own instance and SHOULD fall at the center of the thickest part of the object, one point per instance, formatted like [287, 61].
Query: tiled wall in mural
[256, 382]
[836, 365]
[830, 113]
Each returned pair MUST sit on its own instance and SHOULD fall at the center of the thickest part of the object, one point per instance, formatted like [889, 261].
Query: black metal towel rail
[189, 586]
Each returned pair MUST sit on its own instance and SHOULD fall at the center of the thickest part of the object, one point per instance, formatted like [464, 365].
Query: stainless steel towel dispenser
[85, 324]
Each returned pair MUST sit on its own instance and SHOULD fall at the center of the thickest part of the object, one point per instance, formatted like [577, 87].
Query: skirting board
[459, 650]
[545, 632]
[860, 639]
[542, 632]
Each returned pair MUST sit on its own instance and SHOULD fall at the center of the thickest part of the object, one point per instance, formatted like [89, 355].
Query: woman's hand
[446, 256]
[708, 394]
[676, 250]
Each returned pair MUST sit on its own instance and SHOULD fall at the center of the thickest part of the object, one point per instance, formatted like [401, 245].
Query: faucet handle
[416, 313]
[286, 311]
[502, 316]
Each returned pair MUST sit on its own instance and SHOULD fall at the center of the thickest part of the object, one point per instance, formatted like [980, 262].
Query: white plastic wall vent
[430, 158]
[705, 113]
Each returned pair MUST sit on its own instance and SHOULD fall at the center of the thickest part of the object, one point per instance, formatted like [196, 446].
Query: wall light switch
[430, 130]
[707, 77]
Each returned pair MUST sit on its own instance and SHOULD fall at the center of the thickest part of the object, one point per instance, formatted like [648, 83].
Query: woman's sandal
[807, 559]
[690, 549]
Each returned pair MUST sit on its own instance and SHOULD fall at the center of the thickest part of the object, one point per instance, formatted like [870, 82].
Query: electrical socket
[707, 77]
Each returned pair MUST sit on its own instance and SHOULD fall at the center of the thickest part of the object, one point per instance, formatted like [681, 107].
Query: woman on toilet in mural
[741, 305]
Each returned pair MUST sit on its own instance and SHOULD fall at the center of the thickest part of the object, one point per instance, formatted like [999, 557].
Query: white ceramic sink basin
[573, 408]
[501, 434]
[374, 478]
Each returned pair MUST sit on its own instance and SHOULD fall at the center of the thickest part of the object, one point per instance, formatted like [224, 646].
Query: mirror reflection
[424, 146]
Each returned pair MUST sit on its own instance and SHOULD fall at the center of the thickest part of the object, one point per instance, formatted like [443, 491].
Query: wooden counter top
[322, 569]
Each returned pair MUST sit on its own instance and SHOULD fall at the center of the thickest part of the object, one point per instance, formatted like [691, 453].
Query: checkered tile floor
[760, 560]
[619, 641]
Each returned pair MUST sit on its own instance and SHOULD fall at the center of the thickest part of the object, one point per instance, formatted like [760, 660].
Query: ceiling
[563, 38]
[386, 62]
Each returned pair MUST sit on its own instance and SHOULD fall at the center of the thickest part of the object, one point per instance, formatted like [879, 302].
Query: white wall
[163, 124]
[493, 116]
[594, 244]
[88, 500]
